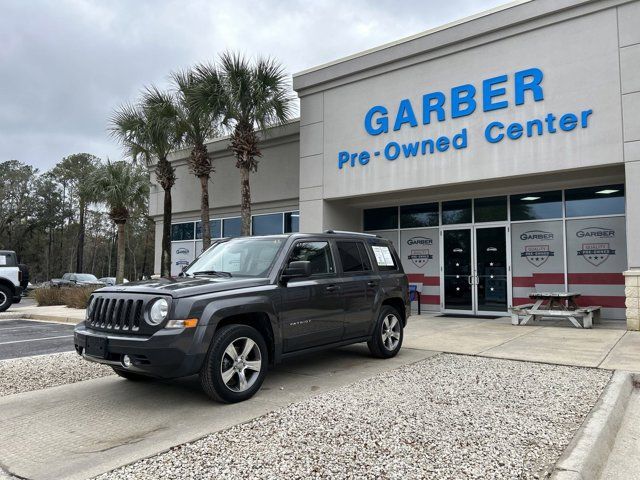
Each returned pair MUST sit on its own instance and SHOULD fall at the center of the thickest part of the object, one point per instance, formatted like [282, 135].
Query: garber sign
[463, 100]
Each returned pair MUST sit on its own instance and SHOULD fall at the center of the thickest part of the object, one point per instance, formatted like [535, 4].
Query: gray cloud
[65, 64]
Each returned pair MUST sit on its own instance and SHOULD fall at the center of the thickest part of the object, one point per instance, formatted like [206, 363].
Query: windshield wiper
[218, 273]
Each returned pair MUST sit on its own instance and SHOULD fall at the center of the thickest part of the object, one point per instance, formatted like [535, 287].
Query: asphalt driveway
[23, 338]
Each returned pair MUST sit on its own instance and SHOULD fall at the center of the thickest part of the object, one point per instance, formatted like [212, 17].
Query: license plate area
[96, 347]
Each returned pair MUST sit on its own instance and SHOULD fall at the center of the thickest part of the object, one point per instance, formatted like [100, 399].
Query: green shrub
[77, 297]
[48, 296]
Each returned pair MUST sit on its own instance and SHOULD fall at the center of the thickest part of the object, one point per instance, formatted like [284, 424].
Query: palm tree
[253, 95]
[148, 131]
[123, 187]
[197, 125]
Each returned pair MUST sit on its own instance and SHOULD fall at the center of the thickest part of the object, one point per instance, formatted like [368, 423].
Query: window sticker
[383, 256]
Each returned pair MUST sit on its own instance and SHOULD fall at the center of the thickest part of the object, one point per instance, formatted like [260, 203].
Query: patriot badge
[536, 255]
[420, 257]
[596, 253]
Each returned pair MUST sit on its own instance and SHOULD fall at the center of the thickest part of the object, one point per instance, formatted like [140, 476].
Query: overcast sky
[66, 64]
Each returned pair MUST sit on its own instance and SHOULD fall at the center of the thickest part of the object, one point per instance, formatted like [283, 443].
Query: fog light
[126, 361]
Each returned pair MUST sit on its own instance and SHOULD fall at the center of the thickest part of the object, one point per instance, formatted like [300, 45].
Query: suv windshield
[239, 257]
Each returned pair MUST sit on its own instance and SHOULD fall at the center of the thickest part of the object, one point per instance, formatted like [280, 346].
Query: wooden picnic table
[555, 304]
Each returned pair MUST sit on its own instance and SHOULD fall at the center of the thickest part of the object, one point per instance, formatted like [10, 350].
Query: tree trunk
[80, 251]
[165, 262]
[204, 212]
[245, 202]
[120, 253]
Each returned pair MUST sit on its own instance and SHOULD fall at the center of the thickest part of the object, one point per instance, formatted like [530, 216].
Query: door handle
[331, 288]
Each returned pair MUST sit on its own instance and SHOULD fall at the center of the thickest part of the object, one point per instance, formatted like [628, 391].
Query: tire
[381, 344]
[6, 298]
[134, 377]
[237, 352]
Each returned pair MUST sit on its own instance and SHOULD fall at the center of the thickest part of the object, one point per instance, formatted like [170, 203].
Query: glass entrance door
[475, 270]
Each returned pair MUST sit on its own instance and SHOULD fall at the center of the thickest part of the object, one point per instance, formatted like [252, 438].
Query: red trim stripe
[596, 279]
[430, 299]
[430, 281]
[585, 301]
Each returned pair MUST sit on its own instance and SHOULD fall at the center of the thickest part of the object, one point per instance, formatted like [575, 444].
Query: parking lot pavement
[87, 428]
[23, 338]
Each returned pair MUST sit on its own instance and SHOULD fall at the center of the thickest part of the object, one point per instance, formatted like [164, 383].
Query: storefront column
[632, 275]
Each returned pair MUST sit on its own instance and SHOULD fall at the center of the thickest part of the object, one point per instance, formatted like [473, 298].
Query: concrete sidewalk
[609, 345]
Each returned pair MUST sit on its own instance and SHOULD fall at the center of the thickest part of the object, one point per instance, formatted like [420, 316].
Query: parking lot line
[35, 339]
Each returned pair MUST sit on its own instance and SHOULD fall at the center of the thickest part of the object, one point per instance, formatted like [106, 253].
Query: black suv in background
[247, 303]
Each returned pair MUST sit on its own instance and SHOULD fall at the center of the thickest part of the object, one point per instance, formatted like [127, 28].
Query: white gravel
[446, 417]
[25, 374]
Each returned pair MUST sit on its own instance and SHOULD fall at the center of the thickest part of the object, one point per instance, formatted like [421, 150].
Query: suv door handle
[331, 288]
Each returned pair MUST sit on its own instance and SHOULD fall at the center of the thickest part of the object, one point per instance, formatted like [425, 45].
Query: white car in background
[111, 281]
[10, 279]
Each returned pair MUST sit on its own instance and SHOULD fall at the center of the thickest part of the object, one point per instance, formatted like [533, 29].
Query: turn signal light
[186, 323]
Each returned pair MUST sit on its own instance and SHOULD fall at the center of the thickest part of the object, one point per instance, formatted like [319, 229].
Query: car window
[353, 257]
[66, 276]
[384, 257]
[318, 253]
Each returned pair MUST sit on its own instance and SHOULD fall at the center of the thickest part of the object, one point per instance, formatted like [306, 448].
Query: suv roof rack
[346, 232]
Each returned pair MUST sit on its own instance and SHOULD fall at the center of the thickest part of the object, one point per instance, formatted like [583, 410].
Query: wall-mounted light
[529, 199]
[607, 191]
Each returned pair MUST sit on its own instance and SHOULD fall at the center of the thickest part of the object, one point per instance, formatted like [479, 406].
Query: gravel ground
[447, 417]
[25, 374]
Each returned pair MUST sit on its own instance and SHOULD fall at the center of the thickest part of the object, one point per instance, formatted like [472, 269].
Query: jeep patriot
[247, 303]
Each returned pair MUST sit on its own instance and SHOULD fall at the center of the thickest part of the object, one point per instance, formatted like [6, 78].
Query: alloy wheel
[241, 364]
[390, 332]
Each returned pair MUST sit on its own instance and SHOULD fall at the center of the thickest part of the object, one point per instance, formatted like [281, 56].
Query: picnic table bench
[555, 304]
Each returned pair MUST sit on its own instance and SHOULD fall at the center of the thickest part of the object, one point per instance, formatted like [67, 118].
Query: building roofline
[456, 32]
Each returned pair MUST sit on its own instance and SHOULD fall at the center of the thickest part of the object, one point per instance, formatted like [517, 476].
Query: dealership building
[499, 153]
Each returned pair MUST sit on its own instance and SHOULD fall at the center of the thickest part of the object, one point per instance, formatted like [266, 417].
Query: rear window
[384, 257]
[353, 257]
[7, 260]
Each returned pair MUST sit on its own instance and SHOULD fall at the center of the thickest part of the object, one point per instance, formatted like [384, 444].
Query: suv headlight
[158, 311]
[90, 307]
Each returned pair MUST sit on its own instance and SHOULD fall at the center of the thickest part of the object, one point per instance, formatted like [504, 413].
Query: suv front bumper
[168, 353]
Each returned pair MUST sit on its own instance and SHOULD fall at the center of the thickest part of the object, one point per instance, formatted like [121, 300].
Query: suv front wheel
[387, 335]
[236, 364]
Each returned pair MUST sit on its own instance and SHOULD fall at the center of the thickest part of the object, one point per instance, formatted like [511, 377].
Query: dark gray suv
[247, 303]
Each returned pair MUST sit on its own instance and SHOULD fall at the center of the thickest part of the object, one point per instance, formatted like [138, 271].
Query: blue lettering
[428, 107]
[489, 93]
[405, 115]
[585, 117]
[364, 158]
[343, 157]
[442, 144]
[568, 122]
[488, 135]
[387, 150]
[466, 100]
[459, 140]
[382, 121]
[514, 131]
[410, 149]
[529, 79]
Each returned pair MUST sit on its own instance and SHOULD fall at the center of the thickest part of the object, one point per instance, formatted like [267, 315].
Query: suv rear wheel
[387, 335]
[236, 364]
[6, 297]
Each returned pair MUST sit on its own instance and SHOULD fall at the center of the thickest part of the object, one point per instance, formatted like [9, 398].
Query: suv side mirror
[299, 269]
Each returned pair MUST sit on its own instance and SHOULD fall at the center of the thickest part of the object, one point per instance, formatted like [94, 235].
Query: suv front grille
[116, 314]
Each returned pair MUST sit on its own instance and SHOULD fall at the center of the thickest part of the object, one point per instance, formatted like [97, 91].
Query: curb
[39, 317]
[587, 453]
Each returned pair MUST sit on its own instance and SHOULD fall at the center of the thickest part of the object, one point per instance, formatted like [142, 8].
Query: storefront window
[536, 206]
[422, 215]
[231, 227]
[182, 231]
[457, 211]
[270, 224]
[291, 222]
[604, 200]
[381, 218]
[490, 209]
[215, 227]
